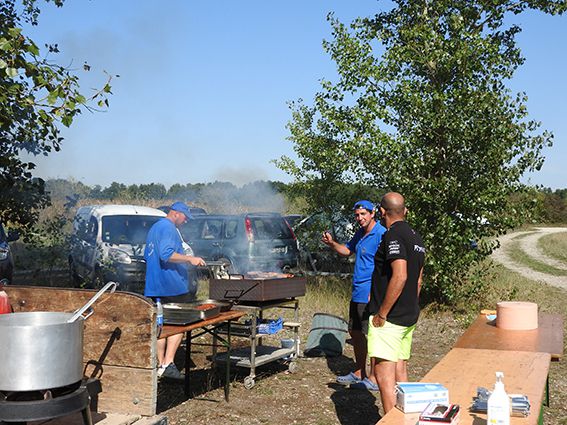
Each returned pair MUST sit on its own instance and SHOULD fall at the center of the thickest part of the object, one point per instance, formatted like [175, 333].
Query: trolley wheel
[249, 382]
[293, 367]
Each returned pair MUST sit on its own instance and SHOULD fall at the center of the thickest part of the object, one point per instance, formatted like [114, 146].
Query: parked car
[193, 210]
[293, 219]
[6, 259]
[107, 243]
[247, 242]
[314, 254]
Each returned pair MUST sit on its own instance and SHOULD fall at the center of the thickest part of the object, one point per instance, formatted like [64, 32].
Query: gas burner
[24, 406]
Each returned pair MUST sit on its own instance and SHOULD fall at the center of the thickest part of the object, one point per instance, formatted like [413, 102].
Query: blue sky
[203, 85]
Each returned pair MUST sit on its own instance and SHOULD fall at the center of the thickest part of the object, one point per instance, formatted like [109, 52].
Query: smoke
[240, 176]
[226, 198]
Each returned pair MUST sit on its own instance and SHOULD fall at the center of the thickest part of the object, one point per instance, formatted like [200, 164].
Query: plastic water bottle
[4, 302]
[159, 316]
[499, 403]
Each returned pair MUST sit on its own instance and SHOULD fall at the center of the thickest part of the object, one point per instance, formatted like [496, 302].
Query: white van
[107, 243]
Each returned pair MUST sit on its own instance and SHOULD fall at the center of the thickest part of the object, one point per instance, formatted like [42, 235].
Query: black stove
[20, 407]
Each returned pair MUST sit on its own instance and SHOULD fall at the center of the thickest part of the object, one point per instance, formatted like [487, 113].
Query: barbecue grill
[257, 289]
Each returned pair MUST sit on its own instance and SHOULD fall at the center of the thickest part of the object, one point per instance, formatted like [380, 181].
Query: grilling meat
[267, 275]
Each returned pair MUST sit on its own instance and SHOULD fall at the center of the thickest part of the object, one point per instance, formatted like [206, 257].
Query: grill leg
[87, 418]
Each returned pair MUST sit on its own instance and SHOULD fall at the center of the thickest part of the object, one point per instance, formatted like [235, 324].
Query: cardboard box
[412, 397]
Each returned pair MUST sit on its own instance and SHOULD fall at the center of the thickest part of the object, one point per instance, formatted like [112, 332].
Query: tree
[421, 107]
[36, 97]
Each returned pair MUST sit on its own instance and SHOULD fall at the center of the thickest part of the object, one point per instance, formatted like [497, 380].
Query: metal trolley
[259, 354]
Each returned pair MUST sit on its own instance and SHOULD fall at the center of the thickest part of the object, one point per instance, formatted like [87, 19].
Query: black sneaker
[171, 372]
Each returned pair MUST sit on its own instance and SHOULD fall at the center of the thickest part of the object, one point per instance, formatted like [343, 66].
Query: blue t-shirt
[364, 248]
[164, 279]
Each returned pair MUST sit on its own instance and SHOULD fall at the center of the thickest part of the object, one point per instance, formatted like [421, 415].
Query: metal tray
[224, 305]
[186, 313]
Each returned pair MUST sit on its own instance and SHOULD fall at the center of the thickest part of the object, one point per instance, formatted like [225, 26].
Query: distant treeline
[265, 195]
[553, 205]
[215, 197]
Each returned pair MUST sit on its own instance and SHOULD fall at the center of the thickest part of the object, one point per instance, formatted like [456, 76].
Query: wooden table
[211, 327]
[547, 338]
[462, 370]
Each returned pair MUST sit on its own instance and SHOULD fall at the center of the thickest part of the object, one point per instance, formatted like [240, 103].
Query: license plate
[279, 250]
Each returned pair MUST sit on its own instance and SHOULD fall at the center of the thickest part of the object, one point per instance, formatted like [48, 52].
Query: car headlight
[119, 256]
[3, 254]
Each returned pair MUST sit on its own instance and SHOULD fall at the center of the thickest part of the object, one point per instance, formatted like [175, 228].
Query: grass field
[555, 246]
[518, 255]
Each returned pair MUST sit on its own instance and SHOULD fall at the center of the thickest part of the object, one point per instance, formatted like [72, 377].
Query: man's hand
[378, 321]
[327, 238]
[197, 261]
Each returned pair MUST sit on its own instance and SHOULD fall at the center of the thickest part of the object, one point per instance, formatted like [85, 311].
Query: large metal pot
[43, 350]
[40, 350]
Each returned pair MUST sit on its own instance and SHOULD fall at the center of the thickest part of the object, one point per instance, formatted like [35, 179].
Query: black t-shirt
[399, 242]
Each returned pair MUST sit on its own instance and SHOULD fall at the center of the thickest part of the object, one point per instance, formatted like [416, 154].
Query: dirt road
[529, 245]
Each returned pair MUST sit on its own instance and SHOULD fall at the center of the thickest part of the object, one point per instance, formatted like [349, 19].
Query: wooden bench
[462, 370]
[209, 326]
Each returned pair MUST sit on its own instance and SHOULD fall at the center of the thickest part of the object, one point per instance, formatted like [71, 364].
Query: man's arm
[419, 281]
[180, 258]
[340, 249]
[395, 287]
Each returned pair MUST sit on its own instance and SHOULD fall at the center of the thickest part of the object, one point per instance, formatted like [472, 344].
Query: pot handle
[80, 311]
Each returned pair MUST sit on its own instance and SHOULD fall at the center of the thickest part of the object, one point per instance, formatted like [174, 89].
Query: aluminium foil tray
[187, 313]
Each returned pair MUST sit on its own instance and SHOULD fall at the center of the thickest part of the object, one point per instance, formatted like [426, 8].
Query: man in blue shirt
[363, 245]
[167, 277]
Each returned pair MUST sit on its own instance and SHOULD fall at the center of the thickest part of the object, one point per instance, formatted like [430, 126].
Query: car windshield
[127, 229]
[266, 228]
[2, 234]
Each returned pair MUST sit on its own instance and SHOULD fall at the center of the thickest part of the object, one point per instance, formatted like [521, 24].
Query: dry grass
[554, 246]
[516, 253]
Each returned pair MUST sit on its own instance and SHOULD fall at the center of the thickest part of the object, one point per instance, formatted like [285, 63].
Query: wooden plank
[225, 316]
[547, 338]
[127, 390]
[462, 370]
[105, 419]
[121, 332]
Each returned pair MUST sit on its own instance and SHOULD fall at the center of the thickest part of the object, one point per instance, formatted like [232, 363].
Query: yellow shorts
[390, 342]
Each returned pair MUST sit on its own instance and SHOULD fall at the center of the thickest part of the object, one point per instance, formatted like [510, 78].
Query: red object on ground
[4, 303]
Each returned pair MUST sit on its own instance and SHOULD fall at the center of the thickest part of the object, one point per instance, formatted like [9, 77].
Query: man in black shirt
[394, 297]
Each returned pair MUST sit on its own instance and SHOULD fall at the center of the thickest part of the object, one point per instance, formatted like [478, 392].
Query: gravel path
[528, 244]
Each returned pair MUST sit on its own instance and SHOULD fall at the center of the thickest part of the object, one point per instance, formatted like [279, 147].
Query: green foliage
[47, 241]
[553, 206]
[36, 97]
[421, 107]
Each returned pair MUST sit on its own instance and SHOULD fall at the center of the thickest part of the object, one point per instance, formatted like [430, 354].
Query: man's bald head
[394, 204]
